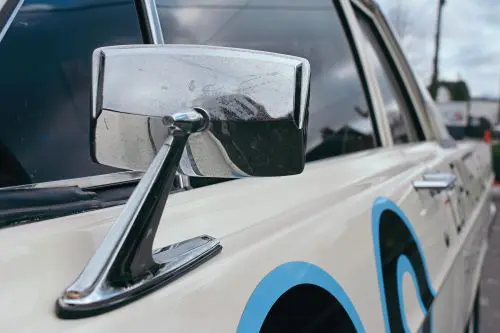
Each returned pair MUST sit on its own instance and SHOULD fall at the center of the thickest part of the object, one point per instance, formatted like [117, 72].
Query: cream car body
[331, 229]
[319, 228]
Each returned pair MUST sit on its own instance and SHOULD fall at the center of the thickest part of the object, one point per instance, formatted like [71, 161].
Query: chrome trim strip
[91, 182]
[153, 21]
[3, 30]
[382, 133]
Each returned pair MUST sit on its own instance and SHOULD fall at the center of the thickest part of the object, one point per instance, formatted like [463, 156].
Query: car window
[45, 66]
[339, 120]
[395, 106]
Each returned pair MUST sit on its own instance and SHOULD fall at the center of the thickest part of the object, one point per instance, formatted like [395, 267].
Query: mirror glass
[257, 103]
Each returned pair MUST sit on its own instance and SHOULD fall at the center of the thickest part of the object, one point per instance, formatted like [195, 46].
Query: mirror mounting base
[125, 267]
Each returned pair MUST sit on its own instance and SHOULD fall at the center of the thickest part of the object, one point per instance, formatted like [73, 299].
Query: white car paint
[324, 217]
[262, 223]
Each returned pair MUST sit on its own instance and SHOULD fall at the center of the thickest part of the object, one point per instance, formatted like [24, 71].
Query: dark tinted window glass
[339, 121]
[45, 66]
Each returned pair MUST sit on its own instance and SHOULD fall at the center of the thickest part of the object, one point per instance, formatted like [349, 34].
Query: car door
[285, 240]
[437, 213]
[352, 224]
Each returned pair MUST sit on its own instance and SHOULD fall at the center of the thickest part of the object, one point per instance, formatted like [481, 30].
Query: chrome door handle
[435, 181]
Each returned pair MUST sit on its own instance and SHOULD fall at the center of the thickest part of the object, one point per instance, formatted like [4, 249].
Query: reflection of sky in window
[468, 29]
[313, 32]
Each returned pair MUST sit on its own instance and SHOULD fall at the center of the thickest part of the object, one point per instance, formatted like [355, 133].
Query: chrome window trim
[153, 21]
[402, 64]
[408, 77]
[373, 94]
[3, 30]
[372, 41]
[92, 182]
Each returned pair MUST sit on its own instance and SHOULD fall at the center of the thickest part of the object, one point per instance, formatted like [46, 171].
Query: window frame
[152, 34]
[402, 71]
[388, 82]
[349, 24]
[354, 36]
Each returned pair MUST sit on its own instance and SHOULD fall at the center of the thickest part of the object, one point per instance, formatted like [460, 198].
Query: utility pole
[435, 73]
[498, 110]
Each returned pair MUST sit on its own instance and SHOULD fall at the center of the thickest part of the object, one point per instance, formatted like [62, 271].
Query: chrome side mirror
[254, 104]
[203, 110]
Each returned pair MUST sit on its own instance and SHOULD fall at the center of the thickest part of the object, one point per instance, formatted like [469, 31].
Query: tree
[459, 90]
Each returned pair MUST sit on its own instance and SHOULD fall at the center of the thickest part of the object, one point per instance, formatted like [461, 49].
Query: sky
[470, 40]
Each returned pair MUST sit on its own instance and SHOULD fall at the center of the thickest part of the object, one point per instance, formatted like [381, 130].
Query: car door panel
[348, 245]
[469, 208]
[332, 231]
[477, 180]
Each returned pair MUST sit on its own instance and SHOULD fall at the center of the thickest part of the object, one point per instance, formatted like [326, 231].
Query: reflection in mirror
[256, 103]
[337, 98]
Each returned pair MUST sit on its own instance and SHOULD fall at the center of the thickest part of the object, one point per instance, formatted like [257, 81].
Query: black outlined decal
[397, 250]
[287, 277]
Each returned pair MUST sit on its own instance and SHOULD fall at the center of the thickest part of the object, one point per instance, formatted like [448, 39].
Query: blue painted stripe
[279, 281]
[404, 266]
[380, 205]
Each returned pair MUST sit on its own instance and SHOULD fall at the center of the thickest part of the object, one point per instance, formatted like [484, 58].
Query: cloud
[469, 48]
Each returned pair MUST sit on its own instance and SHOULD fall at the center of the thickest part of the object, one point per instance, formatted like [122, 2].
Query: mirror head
[255, 104]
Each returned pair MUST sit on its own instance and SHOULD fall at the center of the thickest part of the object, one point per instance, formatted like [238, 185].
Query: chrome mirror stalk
[124, 266]
[198, 111]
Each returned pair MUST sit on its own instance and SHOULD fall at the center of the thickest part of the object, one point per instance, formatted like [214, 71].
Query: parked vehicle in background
[455, 116]
[469, 118]
[368, 216]
[485, 108]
